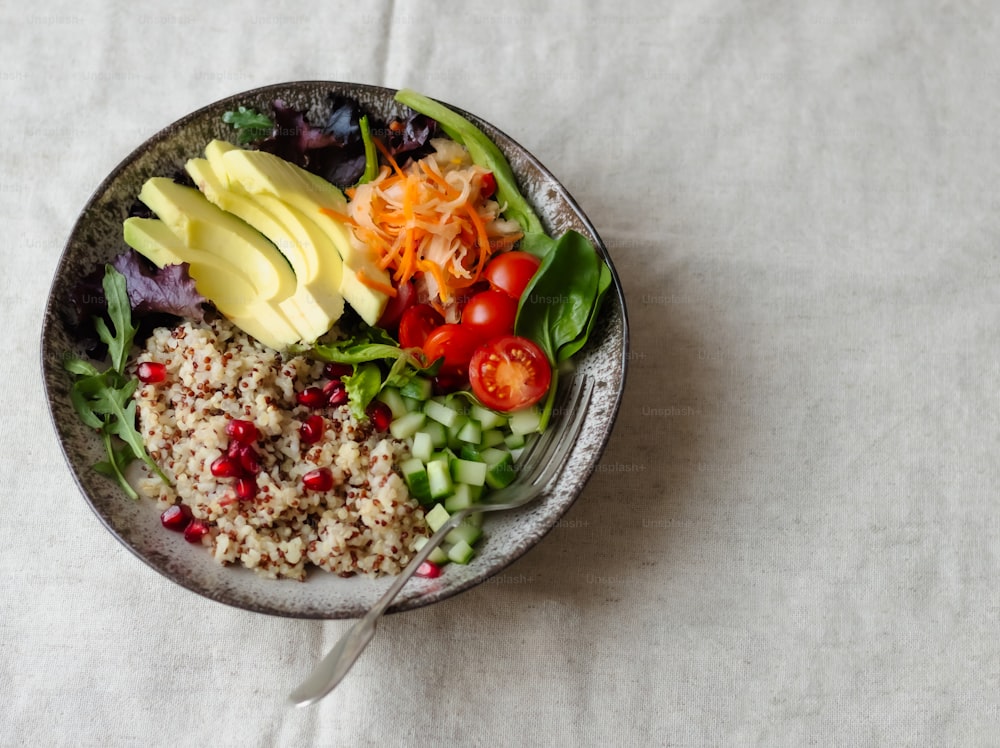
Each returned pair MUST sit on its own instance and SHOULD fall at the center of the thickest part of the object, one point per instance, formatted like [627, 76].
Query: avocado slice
[258, 173]
[200, 225]
[315, 262]
[216, 279]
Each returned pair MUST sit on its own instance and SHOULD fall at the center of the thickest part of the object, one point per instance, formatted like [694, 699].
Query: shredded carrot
[428, 220]
[375, 285]
[388, 156]
[343, 217]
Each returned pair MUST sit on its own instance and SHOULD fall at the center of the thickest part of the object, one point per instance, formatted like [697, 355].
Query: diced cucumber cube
[422, 446]
[516, 453]
[468, 471]
[514, 441]
[391, 397]
[488, 419]
[525, 421]
[415, 475]
[471, 433]
[413, 405]
[461, 552]
[438, 556]
[436, 517]
[419, 388]
[492, 455]
[466, 531]
[469, 452]
[437, 432]
[439, 478]
[502, 472]
[453, 431]
[441, 413]
[491, 438]
[407, 425]
[461, 498]
[476, 518]
[443, 455]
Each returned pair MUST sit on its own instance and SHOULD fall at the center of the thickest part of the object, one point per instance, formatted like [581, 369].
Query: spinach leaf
[486, 154]
[603, 284]
[558, 303]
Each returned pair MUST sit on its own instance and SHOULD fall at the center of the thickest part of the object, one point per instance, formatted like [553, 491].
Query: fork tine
[547, 461]
[535, 456]
[577, 401]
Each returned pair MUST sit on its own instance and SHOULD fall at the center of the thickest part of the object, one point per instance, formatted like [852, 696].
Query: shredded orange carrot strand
[428, 219]
[375, 285]
[336, 214]
[388, 156]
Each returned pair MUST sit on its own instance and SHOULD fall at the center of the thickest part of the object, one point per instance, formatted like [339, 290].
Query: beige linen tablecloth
[792, 538]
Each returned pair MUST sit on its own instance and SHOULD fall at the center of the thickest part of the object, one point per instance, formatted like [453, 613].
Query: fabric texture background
[792, 538]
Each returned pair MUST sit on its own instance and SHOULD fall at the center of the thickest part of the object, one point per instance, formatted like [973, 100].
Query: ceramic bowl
[97, 237]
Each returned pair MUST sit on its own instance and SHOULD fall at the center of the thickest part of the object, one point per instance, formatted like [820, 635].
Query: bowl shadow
[659, 451]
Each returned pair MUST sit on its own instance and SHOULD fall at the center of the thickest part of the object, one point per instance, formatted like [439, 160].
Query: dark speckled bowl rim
[276, 90]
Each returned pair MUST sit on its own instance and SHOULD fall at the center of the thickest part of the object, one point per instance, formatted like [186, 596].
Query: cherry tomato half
[417, 323]
[488, 186]
[509, 373]
[406, 296]
[454, 343]
[511, 271]
[491, 314]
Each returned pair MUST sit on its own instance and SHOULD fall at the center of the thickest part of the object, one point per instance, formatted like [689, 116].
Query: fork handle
[335, 665]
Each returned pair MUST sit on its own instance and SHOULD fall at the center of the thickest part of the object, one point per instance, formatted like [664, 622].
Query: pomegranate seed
[242, 431]
[195, 531]
[234, 448]
[428, 569]
[488, 186]
[311, 431]
[151, 372]
[312, 397]
[380, 415]
[334, 370]
[246, 487]
[176, 517]
[226, 467]
[249, 460]
[336, 392]
[320, 479]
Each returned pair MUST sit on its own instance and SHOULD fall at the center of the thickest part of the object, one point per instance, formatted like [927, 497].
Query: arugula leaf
[114, 467]
[103, 400]
[485, 153]
[249, 124]
[120, 312]
[80, 367]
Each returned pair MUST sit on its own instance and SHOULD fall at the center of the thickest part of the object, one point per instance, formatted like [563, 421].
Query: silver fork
[539, 466]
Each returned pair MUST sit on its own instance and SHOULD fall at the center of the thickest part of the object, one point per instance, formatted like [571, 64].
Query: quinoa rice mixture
[366, 523]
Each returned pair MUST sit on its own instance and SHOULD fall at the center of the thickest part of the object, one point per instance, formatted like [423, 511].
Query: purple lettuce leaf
[335, 149]
[167, 290]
